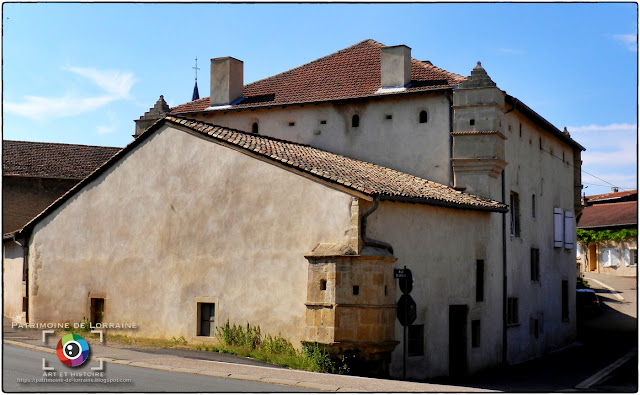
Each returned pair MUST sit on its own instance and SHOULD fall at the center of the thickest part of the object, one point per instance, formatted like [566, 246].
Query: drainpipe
[504, 276]
[25, 262]
[448, 94]
[363, 226]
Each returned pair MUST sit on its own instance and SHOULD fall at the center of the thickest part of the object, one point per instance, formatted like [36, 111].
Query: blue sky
[81, 73]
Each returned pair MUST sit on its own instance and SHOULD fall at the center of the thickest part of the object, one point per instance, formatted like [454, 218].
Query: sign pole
[406, 332]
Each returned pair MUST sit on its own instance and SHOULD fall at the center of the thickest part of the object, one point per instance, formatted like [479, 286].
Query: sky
[80, 73]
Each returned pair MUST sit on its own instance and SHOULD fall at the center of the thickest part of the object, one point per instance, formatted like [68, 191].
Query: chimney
[226, 81]
[395, 66]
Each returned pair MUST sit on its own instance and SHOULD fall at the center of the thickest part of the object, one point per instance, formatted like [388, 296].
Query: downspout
[363, 226]
[447, 94]
[504, 277]
[25, 262]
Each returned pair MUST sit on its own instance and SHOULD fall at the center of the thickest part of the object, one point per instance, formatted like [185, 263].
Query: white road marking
[613, 291]
[593, 380]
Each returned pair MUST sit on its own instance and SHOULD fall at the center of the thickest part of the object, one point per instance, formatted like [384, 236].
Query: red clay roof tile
[353, 72]
[609, 214]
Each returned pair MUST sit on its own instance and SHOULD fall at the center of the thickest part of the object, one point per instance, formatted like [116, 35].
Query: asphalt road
[25, 365]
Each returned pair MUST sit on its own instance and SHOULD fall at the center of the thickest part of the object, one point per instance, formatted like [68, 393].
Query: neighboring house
[608, 226]
[288, 202]
[34, 175]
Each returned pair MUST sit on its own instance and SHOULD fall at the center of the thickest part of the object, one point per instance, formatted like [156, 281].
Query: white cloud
[630, 40]
[614, 127]
[116, 85]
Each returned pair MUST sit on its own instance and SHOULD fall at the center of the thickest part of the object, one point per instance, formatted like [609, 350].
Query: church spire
[196, 95]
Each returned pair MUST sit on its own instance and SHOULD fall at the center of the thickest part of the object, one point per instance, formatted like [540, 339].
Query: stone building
[288, 202]
[614, 212]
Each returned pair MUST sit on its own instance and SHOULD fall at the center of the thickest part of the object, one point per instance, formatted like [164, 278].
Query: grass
[245, 341]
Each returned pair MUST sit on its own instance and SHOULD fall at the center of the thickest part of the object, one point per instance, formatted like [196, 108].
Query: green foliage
[588, 236]
[582, 283]
[248, 341]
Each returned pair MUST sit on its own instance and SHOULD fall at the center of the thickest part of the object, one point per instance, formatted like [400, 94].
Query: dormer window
[355, 121]
[254, 128]
[423, 117]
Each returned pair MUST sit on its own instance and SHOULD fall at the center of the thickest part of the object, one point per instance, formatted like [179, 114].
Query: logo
[72, 350]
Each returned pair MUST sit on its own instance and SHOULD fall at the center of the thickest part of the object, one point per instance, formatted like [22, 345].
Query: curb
[598, 377]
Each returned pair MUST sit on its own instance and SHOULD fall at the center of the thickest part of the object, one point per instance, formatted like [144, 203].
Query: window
[565, 300]
[610, 257]
[534, 327]
[515, 214]
[25, 304]
[472, 122]
[423, 117]
[512, 311]
[569, 230]
[323, 122]
[535, 264]
[207, 315]
[323, 285]
[415, 341]
[292, 124]
[254, 127]
[356, 290]
[533, 206]
[558, 227]
[475, 333]
[479, 280]
[631, 257]
[355, 121]
[388, 116]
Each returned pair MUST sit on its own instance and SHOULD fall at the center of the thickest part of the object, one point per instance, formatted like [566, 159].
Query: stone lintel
[490, 166]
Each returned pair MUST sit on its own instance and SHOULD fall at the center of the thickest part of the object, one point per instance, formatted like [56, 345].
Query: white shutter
[605, 257]
[615, 257]
[627, 257]
[558, 227]
[569, 230]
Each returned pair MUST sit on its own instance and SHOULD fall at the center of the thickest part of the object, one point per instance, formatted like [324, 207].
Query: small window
[388, 116]
[565, 300]
[323, 122]
[254, 128]
[356, 290]
[207, 319]
[479, 280]
[533, 206]
[509, 127]
[423, 117]
[25, 304]
[416, 340]
[386, 292]
[515, 214]
[512, 311]
[292, 124]
[535, 265]
[540, 140]
[323, 285]
[355, 121]
[631, 257]
[475, 333]
[610, 257]
[472, 122]
[520, 130]
[534, 326]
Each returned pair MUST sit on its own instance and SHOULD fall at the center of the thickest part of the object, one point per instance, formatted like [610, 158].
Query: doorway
[457, 340]
[593, 258]
[97, 310]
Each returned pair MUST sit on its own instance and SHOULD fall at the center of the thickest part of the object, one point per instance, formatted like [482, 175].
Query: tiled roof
[52, 160]
[363, 177]
[353, 72]
[611, 195]
[609, 214]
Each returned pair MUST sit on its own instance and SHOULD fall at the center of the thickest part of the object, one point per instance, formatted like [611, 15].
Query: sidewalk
[275, 375]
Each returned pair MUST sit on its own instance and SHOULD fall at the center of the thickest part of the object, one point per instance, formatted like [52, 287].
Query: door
[207, 319]
[457, 340]
[593, 258]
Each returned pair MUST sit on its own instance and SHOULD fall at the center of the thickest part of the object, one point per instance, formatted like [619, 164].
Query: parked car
[587, 302]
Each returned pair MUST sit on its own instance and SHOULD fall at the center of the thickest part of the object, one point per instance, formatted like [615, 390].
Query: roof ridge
[66, 144]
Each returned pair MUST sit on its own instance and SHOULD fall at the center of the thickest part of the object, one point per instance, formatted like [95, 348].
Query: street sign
[399, 273]
[407, 310]
[406, 282]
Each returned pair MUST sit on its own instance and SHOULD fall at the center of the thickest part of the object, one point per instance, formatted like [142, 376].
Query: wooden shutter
[558, 227]
[569, 230]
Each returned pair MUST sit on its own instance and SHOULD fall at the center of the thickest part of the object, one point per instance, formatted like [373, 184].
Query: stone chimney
[226, 81]
[395, 66]
[158, 111]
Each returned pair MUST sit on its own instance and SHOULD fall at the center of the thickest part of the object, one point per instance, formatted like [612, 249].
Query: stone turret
[158, 111]
[478, 141]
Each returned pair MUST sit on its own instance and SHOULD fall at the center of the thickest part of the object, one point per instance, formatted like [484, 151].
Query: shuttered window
[569, 230]
[558, 227]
